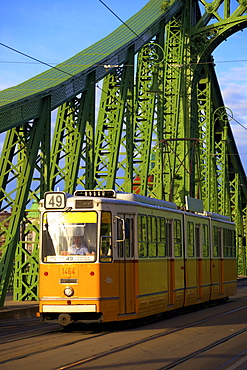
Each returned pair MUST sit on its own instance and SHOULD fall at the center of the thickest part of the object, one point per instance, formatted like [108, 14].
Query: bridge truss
[160, 129]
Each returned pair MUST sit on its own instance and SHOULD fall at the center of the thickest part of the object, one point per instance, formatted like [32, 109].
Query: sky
[55, 30]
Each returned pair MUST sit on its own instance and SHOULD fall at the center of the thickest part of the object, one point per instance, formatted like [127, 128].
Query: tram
[109, 256]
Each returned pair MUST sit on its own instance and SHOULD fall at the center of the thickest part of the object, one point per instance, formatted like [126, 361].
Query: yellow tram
[108, 256]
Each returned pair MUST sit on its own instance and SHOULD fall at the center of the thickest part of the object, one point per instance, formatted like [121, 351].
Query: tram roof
[217, 216]
[141, 199]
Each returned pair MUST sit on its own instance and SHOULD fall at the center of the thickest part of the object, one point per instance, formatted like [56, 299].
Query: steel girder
[148, 123]
[213, 127]
[20, 158]
[158, 131]
[114, 133]
[177, 93]
[72, 153]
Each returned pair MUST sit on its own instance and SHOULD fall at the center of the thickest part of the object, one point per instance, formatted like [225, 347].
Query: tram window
[161, 236]
[106, 237]
[190, 239]
[229, 249]
[169, 237]
[234, 243]
[154, 229]
[177, 239]
[220, 231]
[198, 240]
[226, 249]
[139, 225]
[131, 237]
[216, 244]
[152, 249]
[142, 249]
[120, 236]
[142, 235]
[47, 242]
[152, 236]
[149, 229]
[71, 234]
[127, 237]
[205, 241]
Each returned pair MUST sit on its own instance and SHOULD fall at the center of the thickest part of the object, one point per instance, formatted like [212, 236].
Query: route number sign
[55, 200]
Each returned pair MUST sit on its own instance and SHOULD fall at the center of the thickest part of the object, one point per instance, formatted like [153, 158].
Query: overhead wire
[234, 119]
[37, 60]
[100, 65]
[120, 19]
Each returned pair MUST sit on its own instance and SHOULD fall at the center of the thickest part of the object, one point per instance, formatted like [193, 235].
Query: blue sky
[55, 30]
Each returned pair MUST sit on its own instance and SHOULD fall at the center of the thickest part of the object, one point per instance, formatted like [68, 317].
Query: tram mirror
[120, 229]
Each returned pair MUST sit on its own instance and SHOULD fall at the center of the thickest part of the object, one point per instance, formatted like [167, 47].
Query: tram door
[217, 265]
[126, 267]
[170, 263]
[198, 240]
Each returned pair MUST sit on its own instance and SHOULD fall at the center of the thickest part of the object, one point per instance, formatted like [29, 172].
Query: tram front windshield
[69, 236]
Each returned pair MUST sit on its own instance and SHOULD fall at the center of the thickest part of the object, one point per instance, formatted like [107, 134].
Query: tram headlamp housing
[68, 291]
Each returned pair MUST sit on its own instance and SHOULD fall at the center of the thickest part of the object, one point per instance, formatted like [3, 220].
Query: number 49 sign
[55, 200]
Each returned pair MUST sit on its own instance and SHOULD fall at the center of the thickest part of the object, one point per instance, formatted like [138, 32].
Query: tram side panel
[230, 260]
[126, 264]
[197, 259]
[223, 259]
[160, 276]
[152, 263]
[109, 291]
[176, 266]
[230, 256]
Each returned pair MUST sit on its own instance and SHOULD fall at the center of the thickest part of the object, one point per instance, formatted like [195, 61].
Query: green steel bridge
[161, 128]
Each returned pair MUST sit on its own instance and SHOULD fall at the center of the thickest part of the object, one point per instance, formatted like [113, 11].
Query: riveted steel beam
[21, 149]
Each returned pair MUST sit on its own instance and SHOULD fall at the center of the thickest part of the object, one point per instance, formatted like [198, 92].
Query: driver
[78, 247]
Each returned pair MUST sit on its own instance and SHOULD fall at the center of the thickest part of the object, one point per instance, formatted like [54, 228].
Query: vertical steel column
[25, 140]
[26, 266]
[124, 174]
[178, 172]
[115, 113]
[73, 142]
[27, 253]
[156, 166]
[147, 77]
[243, 266]
[207, 143]
[221, 163]
[237, 215]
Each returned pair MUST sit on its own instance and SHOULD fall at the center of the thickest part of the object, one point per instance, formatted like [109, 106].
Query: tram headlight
[68, 291]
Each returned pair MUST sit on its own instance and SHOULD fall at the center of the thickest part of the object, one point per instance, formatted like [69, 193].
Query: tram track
[74, 338]
[49, 348]
[28, 335]
[170, 366]
[160, 335]
[203, 350]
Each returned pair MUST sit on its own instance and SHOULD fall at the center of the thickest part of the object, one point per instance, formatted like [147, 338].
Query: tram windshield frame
[69, 236]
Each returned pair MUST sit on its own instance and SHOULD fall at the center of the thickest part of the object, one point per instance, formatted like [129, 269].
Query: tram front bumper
[67, 314]
[69, 308]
